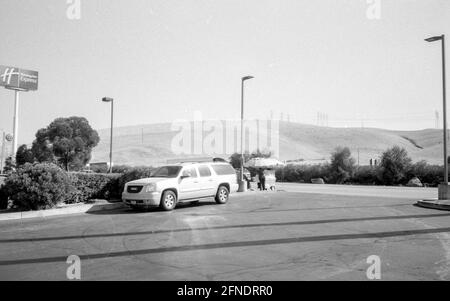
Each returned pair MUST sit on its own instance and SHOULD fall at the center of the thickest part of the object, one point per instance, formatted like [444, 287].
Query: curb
[434, 204]
[75, 209]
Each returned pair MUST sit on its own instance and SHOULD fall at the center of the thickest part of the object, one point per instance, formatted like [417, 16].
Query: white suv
[186, 182]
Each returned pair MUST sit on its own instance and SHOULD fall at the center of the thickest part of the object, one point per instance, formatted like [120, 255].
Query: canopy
[264, 163]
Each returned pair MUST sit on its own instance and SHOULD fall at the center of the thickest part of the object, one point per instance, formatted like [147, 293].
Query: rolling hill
[151, 144]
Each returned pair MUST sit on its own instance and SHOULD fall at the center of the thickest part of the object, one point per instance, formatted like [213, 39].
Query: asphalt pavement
[301, 232]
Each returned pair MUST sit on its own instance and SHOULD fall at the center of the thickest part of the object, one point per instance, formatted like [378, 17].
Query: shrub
[93, 186]
[342, 165]
[366, 175]
[37, 186]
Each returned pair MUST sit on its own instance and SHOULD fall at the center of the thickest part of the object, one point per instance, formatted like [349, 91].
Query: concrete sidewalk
[98, 205]
[434, 204]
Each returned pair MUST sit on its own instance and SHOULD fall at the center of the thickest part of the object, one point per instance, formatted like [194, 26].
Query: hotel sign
[18, 79]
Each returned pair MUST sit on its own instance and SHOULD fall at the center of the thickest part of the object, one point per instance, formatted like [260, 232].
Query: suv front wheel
[168, 201]
[222, 195]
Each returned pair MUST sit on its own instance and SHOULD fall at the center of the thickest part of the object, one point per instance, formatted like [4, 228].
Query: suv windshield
[166, 172]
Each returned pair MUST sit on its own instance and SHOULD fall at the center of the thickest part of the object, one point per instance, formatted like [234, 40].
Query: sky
[163, 60]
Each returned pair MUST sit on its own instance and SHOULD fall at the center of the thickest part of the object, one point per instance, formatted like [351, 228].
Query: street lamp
[108, 99]
[444, 192]
[242, 184]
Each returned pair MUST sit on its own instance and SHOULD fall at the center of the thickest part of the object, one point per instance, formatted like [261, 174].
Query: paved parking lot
[302, 232]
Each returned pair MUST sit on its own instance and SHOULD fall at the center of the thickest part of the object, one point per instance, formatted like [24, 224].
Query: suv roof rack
[195, 160]
[189, 160]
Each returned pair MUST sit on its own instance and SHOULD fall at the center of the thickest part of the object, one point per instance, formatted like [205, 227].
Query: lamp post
[111, 100]
[242, 184]
[444, 192]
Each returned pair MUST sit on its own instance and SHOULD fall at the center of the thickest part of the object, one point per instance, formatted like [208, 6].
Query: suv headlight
[150, 187]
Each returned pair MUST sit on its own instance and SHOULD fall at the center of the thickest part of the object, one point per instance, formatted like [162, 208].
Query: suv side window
[192, 171]
[204, 171]
[223, 169]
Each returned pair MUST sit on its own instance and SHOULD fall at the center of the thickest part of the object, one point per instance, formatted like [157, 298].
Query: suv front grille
[134, 188]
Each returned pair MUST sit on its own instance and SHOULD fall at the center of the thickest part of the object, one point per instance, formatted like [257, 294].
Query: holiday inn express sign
[18, 79]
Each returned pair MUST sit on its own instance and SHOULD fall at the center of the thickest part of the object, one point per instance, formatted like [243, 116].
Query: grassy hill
[151, 144]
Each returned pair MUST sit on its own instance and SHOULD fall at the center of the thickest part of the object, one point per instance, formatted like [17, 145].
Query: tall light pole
[108, 99]
[444, 192]
[242, 184]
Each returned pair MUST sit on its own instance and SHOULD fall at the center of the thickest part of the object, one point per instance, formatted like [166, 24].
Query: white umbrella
[263, 163]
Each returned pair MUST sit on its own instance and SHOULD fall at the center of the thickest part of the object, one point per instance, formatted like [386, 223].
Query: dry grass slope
[151, 144]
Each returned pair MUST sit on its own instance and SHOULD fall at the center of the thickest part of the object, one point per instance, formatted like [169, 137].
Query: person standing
[247, 179]
[262, 179]
[258, 183]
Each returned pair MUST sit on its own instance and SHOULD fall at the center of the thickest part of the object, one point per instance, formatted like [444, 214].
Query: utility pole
[358, 156]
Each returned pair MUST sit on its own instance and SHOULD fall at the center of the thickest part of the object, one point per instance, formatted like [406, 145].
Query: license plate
[133, 202]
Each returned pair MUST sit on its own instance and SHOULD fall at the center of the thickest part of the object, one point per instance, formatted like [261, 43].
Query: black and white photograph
[199, 143]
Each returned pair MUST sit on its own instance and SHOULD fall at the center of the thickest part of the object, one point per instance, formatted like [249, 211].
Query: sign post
[17, 79]
[3, 152]
[16, 123]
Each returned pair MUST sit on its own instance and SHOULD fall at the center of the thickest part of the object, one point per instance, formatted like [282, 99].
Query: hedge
[366, 175]
[87, 186]
[302, 173]
[429, 175]
[134, 173]
[3, 198]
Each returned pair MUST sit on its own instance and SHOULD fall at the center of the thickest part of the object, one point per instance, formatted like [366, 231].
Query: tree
[342, 165]
[24, 155]
[394, 165]
[9, 165]
[41, 147]
[235, 159]
[68, 141]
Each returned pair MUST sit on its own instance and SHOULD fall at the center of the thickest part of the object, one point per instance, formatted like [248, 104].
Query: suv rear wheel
[222, 195]
[168, 201]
